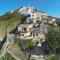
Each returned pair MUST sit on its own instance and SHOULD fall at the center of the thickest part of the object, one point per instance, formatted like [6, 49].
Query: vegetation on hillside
[8, 57]
[10, 21]
[53, 44]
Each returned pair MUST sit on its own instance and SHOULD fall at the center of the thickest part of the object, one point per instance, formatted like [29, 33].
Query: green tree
[53, 41]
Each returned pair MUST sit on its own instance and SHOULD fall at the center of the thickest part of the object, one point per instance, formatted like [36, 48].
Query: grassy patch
[28, 43]
[8, 57]
[16, 50]
[53, 57]
[16, 41]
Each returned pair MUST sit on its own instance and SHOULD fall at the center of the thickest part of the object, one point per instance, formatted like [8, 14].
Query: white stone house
[51, 19]
[43, 27]
[32, 30]
[12, 11]
[27, 11]
[55, 24]
[34, 14]
[24, 30]
[38, 35]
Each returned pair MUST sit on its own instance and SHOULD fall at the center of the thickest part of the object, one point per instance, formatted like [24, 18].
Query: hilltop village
[24, 40]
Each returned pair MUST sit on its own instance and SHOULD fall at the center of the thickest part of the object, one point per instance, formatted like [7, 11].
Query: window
[22, 34]
[24, 29]
[32, 15]
[36, 34]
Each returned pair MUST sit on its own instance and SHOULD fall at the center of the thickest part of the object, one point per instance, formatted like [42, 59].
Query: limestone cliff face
[9, 21]
[4, 31]
[2, 34]
[9, 24]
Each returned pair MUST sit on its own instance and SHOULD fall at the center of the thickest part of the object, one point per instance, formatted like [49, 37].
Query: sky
[51, 7]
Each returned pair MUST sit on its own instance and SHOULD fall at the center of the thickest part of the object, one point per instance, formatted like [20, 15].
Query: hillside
[9, 21]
